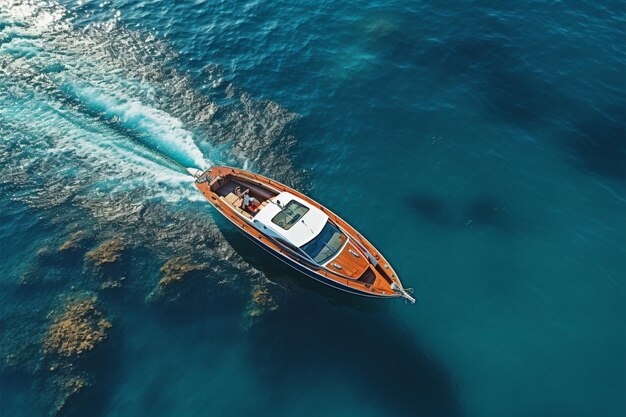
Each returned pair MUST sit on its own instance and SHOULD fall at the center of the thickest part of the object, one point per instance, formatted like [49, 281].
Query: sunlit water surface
[480, 146]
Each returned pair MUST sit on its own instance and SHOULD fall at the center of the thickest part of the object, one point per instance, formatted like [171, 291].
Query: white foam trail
[155, 128]
[88, 156]
[110, 72]
[74, 151]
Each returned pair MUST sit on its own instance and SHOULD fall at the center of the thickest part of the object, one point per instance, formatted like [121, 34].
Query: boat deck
[226, 190]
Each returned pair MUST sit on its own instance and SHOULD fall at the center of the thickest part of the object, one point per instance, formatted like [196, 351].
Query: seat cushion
[232, 198]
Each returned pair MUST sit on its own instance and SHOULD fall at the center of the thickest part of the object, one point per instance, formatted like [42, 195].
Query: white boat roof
[302, 231]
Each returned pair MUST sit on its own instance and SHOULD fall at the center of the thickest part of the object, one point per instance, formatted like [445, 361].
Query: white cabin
[290, 218]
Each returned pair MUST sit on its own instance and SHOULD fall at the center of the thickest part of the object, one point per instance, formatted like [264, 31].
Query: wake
[97, 121]
[154, 128]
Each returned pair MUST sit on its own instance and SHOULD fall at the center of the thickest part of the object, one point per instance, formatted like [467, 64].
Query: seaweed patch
[174, 271]
[108, 252]
[76, 330]
[74, 241]
[261, 302]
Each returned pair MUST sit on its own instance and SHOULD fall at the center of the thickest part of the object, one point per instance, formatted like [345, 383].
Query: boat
[300, 232]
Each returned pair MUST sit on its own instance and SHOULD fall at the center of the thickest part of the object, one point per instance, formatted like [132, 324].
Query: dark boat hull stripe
[308, 272]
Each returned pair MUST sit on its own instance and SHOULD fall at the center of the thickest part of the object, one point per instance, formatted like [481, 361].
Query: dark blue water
[480, 145]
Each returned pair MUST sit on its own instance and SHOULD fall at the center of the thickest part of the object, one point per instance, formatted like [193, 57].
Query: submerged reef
[46, 267]
[173, 272]
[78, 329]
[30, 276]
[107, 263]
[44, 252]
[52, 262]
[64, 385]
[108, 252]
[111, 284]
[74, 241]
[261, 302]
[60, 349]
[177, 268]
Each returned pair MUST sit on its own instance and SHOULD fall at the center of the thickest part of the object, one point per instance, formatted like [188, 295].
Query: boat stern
[194, 172]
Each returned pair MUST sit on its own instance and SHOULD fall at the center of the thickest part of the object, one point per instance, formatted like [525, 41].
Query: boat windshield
[290, 215]
[325, 245]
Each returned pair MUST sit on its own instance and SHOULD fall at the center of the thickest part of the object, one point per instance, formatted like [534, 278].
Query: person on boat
[249, 203]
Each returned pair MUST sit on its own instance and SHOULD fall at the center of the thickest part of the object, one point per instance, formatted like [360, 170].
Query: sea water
[479, 145]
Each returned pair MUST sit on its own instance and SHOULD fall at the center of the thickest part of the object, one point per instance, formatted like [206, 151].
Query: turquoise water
[480, 145]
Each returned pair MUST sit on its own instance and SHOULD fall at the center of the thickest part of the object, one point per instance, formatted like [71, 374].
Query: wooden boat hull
[307, 272]
[356, 256]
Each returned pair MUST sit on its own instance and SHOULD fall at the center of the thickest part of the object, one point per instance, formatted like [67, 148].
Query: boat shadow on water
[321, 337]
[368, 357]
